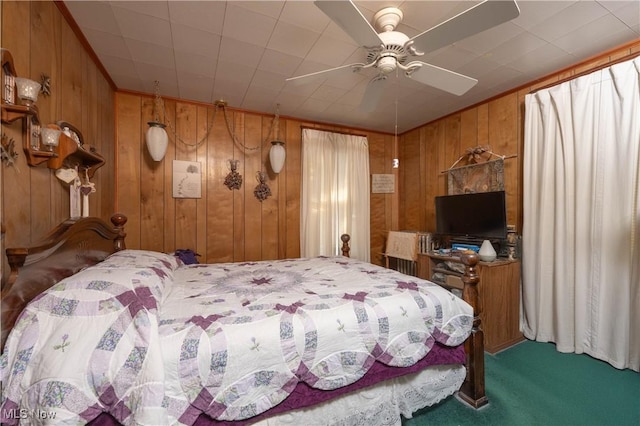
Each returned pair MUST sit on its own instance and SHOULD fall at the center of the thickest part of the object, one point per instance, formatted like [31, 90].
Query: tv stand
[499, 293]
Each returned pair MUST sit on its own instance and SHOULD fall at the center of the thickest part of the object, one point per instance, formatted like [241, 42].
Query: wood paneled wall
[428, 151]
[225, 225]
[41, 42]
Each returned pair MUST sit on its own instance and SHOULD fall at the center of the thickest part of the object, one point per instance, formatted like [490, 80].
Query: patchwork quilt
[152, 341]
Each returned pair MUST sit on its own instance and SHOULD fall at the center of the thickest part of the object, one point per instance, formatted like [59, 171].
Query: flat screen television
[481, 214]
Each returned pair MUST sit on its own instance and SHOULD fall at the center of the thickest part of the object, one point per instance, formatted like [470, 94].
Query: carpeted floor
[533, 384]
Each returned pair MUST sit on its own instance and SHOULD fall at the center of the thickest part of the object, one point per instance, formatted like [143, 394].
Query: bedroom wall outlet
[395, 163]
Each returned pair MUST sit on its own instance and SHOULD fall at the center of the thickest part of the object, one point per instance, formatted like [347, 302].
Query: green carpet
[533, 384]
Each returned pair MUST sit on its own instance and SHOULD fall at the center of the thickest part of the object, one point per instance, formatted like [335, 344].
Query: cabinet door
[500, 304]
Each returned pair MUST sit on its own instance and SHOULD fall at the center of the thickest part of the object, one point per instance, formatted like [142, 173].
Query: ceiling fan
[390, 51]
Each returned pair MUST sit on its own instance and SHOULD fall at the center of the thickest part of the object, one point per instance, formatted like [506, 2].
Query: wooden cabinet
[499, 291]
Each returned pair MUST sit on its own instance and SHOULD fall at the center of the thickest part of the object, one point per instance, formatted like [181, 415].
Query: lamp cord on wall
[159, 106]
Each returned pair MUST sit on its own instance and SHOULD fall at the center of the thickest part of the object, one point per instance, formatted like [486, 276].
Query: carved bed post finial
[345, 244]
[119, 220]
[472, 391]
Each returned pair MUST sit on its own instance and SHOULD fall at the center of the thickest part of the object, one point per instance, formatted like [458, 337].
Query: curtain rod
[589, 71]
[342, 132]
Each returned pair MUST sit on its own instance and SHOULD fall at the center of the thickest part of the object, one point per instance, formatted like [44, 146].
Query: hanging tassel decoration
[262, 190]
[233, 179]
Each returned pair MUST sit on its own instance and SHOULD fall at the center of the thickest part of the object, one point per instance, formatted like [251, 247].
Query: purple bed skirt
[305, 396]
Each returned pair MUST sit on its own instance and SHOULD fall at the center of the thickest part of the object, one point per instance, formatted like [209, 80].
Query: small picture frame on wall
[187, 179]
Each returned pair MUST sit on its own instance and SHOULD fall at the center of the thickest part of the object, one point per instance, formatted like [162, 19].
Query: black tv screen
[481, 214]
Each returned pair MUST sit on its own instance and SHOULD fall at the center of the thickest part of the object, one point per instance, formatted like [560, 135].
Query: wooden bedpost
[345, 244]
[119, 220]
[472, 391]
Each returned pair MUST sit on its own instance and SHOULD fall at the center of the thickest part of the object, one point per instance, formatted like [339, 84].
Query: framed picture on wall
[187, 179]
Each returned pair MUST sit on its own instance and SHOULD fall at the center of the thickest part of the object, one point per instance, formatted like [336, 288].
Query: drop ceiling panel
[244, 51]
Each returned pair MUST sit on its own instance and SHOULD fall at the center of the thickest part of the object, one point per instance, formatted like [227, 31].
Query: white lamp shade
[277, 155]
[50, 137]
[27, 89]
[157, 140]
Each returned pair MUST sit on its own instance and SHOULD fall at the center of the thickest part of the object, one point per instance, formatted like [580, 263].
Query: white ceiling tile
[279, 63]
[535, 12]
[627, 12]
[196, 41]
[568, 19]
[293, 40]
[301, 14]
[517, 46]
[119, 65]
[157, 9]
[327, 93]
[106, 44]
[166, 76]
[196, 64]
[331, 51]
[540, 61]
[602, 32]
[238, 52]
[142, 27]
[247, 26]
[271, 8]
[268, 80]
[98, 15]
[201, 15]
[151, 54]
[489, 39]
[193, 85]
[422, 16]
[452, 58]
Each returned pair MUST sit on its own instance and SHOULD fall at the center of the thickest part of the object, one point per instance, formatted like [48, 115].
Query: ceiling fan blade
[440, 78]
[480, 17]
[347, 16]
[373, 94]
[306, 78]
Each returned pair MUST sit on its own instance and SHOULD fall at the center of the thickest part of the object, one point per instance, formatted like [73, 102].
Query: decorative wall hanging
[233, 179]
[262, 190]
[482, 177]
[187, 179]
[8, 154]
[481, 174]
[86, 188]
[45, 82]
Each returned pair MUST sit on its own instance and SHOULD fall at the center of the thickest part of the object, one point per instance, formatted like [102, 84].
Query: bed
[93, 333]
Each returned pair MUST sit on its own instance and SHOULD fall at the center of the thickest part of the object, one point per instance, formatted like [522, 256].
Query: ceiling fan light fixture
[387, 64]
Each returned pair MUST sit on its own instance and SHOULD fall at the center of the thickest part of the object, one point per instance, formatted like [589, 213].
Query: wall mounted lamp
[156, 136]
[277, 153]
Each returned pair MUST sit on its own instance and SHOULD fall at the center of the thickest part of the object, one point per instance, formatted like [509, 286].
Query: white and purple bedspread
[150, 341]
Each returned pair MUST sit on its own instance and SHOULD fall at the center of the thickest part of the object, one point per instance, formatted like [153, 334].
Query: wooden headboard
[73, 245]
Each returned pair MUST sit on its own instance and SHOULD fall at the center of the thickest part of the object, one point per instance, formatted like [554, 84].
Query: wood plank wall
[225, 225]
[429, 150]
[41, 42]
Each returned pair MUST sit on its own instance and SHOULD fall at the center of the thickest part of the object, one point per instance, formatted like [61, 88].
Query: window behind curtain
[335, 194]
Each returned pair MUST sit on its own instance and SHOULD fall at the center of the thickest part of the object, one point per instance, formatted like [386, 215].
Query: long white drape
[581, 238]
[335, 194]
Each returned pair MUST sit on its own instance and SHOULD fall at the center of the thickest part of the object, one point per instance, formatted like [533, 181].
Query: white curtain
[335, 194]
[581, 242]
